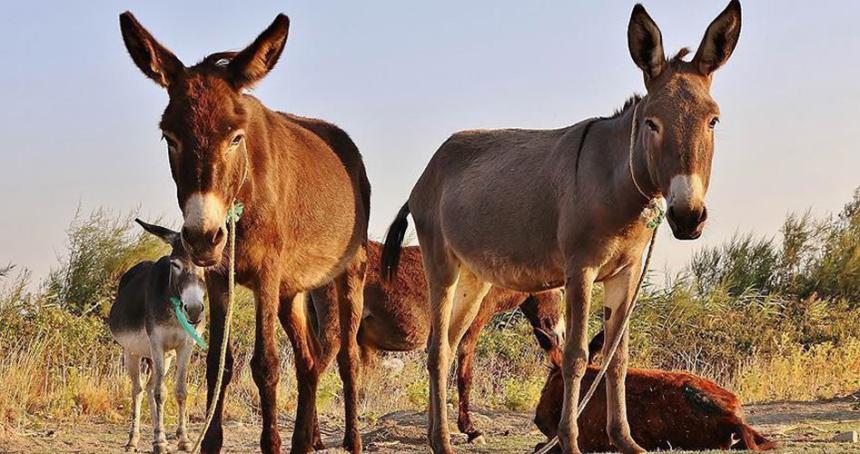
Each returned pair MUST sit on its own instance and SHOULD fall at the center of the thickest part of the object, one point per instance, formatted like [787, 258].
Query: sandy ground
[800, 427]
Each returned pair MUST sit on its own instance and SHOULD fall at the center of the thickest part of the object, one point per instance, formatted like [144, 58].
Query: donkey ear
[166, 235]
[645, 43]
[547, 341]
[595, 346]
[158, 63]
[255, 61]
[720, 40]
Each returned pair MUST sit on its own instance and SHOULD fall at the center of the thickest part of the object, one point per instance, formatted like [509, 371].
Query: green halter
[183, 321]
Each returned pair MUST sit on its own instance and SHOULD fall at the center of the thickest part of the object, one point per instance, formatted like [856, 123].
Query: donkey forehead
[203, 108]
[682, 94]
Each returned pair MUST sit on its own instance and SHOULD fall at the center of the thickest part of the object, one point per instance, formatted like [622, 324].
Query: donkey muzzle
[687, 223]
[205, 247]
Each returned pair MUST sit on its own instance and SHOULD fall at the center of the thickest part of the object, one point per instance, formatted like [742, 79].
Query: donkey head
[204, 125]
[186, 280]
[676, 119]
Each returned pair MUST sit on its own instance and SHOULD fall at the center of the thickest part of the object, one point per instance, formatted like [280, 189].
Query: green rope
[183, 321]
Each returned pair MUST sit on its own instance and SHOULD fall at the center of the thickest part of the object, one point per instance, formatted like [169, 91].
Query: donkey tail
[393, 242]
[752, 440]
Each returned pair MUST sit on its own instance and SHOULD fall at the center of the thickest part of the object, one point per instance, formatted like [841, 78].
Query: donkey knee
[264, 369]
[576, 366]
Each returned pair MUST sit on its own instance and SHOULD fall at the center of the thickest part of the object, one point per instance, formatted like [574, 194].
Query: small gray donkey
[143, 321]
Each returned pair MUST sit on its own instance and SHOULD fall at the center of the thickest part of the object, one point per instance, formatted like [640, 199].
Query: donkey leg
[264, 361]
[578, 299]
[294, 320]
[619, 291]
[157, 389]
[465, 356]
[216, 285]
[442, 272]
[132, 365]
[180, 390]
[326, 343]
[350, 298]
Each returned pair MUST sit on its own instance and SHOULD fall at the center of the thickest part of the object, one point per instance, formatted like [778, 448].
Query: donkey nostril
[703, 215]
[217, 236]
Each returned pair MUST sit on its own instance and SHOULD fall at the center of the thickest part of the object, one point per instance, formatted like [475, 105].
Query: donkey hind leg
[619, 291]
[132, 365]
[578, 299]
[157, 389]
[465, 356]
[442, 272]
[350, 299]
[264, 361]
[326, 343]
[180, 390]
[216, 288]
[294, 320]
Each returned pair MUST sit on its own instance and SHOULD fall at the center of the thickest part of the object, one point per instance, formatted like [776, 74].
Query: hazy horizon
[81, 120]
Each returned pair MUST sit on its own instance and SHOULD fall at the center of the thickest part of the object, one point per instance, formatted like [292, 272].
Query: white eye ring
[176, 265]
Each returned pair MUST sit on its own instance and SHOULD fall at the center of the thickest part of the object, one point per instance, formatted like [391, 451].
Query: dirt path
[805, 427]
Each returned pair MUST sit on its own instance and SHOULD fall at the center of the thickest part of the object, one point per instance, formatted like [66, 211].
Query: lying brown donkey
[666, 410]
[396, 318]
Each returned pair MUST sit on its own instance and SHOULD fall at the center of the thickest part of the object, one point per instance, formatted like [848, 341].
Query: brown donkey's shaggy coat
[307, 203]
[667, 410]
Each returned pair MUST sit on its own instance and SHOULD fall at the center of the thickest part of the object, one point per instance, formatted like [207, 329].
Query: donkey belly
[510, 243]
[134, 342]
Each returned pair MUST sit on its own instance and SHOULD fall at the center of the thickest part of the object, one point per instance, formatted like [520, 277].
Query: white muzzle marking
[686, 190]
[204, 212]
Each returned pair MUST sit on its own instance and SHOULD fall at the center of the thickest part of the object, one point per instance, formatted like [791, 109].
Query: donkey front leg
[619, 292]
[132, 365]
[264, 361]
[181, 391]
[578, 299]
[157, 390]
[216, 285]
[350, 299]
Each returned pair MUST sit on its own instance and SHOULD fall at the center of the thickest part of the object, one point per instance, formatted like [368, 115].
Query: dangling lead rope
[652, 216]
[233, 215]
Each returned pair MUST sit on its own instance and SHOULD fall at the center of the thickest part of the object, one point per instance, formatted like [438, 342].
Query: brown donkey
[533, 210]
[397, 318]
[668, 410]
[307, 202]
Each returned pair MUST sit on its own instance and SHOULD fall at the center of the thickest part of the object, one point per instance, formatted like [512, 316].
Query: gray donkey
[144, 322]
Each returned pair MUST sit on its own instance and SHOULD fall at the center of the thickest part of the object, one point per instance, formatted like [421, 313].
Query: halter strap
[634, 130]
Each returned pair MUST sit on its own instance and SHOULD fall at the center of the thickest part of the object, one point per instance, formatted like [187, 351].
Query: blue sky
[79, 122]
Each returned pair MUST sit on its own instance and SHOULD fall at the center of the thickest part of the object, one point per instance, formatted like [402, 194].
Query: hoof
[160, 448]
[131, 447]
[184, 445]
[478, 439]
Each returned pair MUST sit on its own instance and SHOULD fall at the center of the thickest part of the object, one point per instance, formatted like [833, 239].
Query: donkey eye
[176, 265]
[237, 139]
[714, 122]
[171, 144]
[651, 125]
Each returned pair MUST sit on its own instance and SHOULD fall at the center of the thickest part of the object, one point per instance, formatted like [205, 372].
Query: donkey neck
[612, 158]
